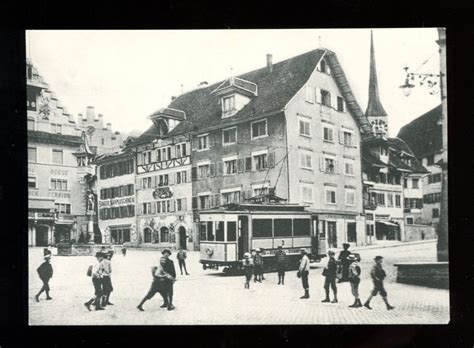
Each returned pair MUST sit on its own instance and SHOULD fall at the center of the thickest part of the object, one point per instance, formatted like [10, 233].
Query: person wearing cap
[168, 268]
[45, 273]
[258, 266]
[247, 264]
[342, 258]
[282, 263]
[329, 273]
[164, 275]
[106, 279]
[378, 275]
[354, 279]
[97, 273]
[303, 273]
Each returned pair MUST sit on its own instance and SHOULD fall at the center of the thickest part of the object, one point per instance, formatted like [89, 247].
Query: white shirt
[304, 264]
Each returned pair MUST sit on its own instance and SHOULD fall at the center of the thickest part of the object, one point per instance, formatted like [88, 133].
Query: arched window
[147, 235]
[164, 234]
[323, 66]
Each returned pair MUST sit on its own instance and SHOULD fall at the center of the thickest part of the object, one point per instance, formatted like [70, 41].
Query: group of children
[353, 276]
[253, 266]
[101, 273]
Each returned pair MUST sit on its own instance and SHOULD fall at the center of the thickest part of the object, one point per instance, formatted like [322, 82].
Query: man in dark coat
[45, 272]
[168, 267]
[258, 266]
[281, 262]
[345, 263]
[378, 275]
[330, 274]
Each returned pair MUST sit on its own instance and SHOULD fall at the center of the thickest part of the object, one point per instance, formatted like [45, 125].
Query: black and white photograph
[237, 177]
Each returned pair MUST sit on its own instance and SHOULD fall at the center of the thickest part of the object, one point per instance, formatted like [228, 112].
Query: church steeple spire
[375, 112]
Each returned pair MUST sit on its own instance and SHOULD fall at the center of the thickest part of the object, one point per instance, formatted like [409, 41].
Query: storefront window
[164, 235]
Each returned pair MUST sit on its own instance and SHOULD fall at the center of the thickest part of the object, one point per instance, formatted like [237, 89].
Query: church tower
[375, 112]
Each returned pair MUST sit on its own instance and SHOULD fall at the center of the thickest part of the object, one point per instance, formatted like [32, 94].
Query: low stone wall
[85, 249]
[419, 232]
[430, 274]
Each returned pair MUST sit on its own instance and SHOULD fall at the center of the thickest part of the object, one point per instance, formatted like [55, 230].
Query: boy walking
[247, 264]
[354, 279]
[45, 272]
[107, 279]
[182, 260]
[97, 272]
[378, 275]
[330, 273]
[303, 272]
[281, 261]
[258, 263]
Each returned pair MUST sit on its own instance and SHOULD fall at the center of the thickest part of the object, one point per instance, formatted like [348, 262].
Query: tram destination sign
[116, 201]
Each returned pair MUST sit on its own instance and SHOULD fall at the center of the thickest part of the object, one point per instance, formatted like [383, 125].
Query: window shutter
[271, 159]
[318, 95]
[172, 205]
[211, 140]
[194, 202]
[341, 137]
[139, 158]
[321, 163]
[153, 156]
[138, 183]
[217, 200]
[194, 173]
[194, 144]
[354, 140]
[328, 69]
[184, 206]
[173, 152]
[220, 169]
[171, 178]
[212, 169]
[240, 165]
[248, 164]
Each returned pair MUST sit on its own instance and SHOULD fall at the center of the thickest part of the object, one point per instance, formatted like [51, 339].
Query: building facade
[58, 168]
[424, 136]
[116, 193]
[392, 175]
[163, 185]
[290, 130]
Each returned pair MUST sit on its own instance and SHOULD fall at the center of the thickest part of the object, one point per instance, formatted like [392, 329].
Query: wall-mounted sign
[57, 194]
[163, 193]
[116, 201]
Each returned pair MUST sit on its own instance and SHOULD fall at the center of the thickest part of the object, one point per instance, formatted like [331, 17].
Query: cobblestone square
[210, 297]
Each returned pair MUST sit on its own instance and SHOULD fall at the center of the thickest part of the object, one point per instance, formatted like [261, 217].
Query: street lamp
[429, 80]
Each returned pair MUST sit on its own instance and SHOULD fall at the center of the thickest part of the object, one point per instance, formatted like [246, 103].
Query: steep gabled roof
[424, 134]
[374, 106]
[275, 90]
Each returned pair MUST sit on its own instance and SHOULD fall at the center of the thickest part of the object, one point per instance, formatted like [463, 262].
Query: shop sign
[382, 216]
[162, 193]
[116, 201]
[57, 194]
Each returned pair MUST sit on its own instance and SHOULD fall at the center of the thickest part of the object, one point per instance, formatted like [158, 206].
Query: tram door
[243, 236]
[314, 236]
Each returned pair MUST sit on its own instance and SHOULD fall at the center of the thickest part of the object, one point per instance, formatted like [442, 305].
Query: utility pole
[443, 229]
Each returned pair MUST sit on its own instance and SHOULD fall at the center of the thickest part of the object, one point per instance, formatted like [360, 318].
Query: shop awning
[41, 204]
[387, 223]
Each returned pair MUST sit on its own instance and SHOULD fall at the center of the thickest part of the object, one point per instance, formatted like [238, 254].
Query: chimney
[109, 126]
[173, 97]
[90, 113]
[269, 63]
[100, 121]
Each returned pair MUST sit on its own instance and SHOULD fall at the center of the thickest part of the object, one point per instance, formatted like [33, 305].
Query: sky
[127, 75]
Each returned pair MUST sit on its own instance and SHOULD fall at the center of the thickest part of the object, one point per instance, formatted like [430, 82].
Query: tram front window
[282, 227]
[220, 231]
[301, 227]
[231, 231]
[203, 231]
[210, 231]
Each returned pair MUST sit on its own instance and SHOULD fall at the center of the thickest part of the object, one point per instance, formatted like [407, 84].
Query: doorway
[332, 234]
[351, 232]
[42, 235]
[182, 237]
[243, 236]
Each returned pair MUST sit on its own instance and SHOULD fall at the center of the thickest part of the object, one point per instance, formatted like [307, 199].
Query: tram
[226, 233]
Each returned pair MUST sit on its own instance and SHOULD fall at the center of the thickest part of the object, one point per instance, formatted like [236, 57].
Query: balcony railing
[369, 204]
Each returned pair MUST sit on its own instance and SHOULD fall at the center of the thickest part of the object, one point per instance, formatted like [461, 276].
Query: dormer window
[228, 103]
[324, 67]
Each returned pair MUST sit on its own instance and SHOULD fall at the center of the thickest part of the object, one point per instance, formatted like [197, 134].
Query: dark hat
[330, 252]
[99, 254]
[346, 245]
[166, 251]
[378, 258]
[303, 251]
